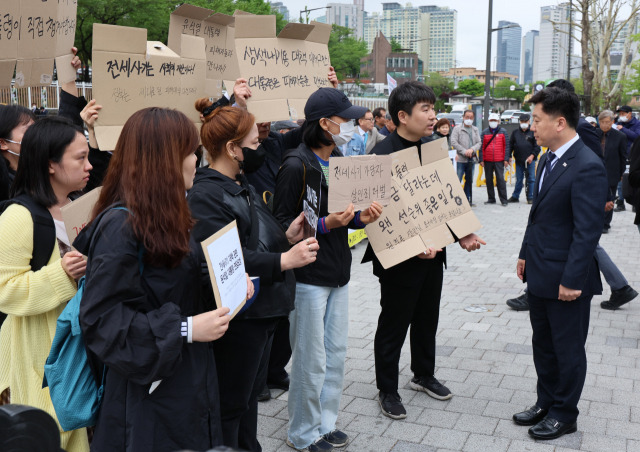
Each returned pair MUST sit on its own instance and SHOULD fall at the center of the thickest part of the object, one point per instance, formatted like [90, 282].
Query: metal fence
[41, 96]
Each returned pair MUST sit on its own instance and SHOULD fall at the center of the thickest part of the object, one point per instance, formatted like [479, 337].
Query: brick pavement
[485, 358]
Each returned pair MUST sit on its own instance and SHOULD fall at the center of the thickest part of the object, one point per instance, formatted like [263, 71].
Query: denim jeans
[318, 334]
[531, 178]
[466, 169]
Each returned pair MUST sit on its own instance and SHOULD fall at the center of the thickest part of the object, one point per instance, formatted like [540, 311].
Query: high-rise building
[430, 31]
[347, 15]
[529, 44]
[508, 55]
[553, 43]
[281, 8]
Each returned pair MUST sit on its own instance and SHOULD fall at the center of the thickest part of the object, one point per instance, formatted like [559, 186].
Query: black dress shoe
[549, 428]
[490, 202]
[519, 304]
[619, 297]
[512, 199]
[531, 416]
[264, 395]
[279, 384]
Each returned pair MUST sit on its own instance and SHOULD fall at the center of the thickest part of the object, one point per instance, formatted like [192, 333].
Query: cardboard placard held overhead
[223, 253]
[283, 71]
[218, 33]
[130, 74]
[359, 179]
[33, 34]
[427, 204]
[76, 214]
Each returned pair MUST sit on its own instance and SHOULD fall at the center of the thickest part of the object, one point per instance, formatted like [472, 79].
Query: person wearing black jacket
[634, 177]
[145, 323]
[525, 150]
[410, 291]
[220, 195]
[614, 149]
[319, 323]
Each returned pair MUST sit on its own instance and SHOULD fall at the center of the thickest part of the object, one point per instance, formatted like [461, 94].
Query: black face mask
[253, 159]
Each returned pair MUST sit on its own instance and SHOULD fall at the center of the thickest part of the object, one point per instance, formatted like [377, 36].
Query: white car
[505, 117]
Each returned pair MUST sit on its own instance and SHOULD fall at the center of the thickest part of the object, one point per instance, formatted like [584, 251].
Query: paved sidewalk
[485, 358]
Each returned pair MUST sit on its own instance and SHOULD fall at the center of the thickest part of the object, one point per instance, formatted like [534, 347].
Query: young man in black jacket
[410, 291]
[525, 150]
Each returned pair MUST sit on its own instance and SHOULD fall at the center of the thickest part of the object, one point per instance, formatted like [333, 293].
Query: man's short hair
[562, 84]
[362, 117]
[468, 111]
[606, 114]
[559, 102]
[406, 96]
[387, 116]
[377, 112]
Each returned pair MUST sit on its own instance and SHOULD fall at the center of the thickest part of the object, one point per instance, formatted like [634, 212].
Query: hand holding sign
[211, 325]
[371, 214]
[304, 253]
[336, 220]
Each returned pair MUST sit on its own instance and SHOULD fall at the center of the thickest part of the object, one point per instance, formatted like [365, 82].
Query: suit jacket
[565, 224]
[412, 270]
[615, 156]
[373, 137]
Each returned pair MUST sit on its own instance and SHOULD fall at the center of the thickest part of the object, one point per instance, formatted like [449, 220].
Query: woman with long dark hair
[142, 313]
[54, 163]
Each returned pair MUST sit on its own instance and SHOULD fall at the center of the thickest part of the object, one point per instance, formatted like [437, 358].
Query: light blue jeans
[318, 335]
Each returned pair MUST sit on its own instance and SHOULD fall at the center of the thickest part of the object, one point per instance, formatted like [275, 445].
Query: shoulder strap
[492, 137]
[44, 230]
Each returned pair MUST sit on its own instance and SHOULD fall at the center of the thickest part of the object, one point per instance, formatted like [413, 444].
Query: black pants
[559, 334]
[415, 304]
[280, 352]
[241, 378]
[498, 169]
[608, 216]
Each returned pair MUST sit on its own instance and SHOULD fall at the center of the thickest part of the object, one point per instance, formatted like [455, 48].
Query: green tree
[503, 89]
[471, 86]
[395, 45]
[150, 14]
[345, 52]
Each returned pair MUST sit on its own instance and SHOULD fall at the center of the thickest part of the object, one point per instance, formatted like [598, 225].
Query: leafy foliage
[345, 52]
[471, 86]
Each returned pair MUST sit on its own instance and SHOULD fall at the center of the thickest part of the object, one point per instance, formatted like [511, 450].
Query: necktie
[603, 142]
[548, 166]
[365, 136]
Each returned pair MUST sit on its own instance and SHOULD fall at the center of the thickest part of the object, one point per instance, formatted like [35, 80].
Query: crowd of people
[177, 373]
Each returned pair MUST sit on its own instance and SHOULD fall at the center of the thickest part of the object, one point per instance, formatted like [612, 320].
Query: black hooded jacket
[131, 322]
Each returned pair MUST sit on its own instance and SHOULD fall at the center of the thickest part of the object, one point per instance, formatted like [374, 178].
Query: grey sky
[472, 20]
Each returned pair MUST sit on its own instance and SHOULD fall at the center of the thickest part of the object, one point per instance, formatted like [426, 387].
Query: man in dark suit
[614, 149]
[410, 291]
[557, 261]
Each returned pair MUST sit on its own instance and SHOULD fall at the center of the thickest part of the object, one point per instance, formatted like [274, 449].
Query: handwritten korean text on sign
[360, 180]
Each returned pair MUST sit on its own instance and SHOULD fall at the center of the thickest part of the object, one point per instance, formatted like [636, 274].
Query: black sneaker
[619, 208]
[619, 297]
[431, 386]
[319, 445]
[391, 405]
[512, 199]
[265, 394]
[520, 303]
[336, 438]
[490, 202]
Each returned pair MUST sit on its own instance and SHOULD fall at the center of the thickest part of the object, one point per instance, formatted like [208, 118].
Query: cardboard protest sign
[218, 33]
[281, 71]
[130, 74]
[33, 34]
[359, 179]
[427, 204]
[76, 214]
[225, 260]
[311, 200]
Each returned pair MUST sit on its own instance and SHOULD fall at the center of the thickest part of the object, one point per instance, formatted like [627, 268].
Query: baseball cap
[494, 117]
[524, 117]
[625, 108]
[590, 119]
[328, 102]
[283, 125]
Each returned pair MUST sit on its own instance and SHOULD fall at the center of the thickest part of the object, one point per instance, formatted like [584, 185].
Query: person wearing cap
[319, 322]
[591, 120]
[283, 126]
[630, 126]
[410, 291]
[525, 150]
[494, 158]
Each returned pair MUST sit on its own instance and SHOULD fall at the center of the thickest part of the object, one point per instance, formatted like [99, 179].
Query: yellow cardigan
[33, 302]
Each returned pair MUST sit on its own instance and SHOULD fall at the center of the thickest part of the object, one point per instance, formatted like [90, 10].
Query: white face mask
[347, 129]
[468, 122]
[524, 125]
[14, 142]
[493, 124]
[623, 118]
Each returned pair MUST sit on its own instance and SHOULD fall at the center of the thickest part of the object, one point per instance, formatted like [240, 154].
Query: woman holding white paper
[220, 195]
[142, 314]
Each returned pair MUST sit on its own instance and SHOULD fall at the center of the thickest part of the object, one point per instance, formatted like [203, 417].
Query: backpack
[44, 232]
[74, 393]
